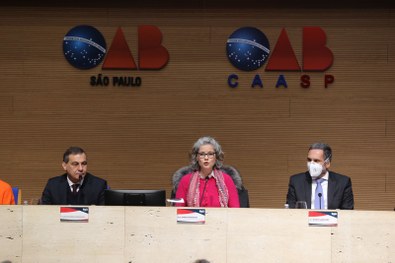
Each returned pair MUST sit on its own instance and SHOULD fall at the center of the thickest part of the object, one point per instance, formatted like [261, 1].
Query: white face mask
[315, 169]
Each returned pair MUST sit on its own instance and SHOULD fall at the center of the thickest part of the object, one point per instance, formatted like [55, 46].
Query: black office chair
[233, 172]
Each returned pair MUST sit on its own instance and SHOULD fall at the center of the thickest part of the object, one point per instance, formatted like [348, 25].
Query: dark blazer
[91, 191]
[340, 195]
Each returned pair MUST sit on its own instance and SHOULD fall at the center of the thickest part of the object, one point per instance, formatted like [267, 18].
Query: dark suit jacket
[340, 195]
[91, 191]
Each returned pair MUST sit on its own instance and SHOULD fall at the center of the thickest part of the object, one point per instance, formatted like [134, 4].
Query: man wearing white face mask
[319, 187]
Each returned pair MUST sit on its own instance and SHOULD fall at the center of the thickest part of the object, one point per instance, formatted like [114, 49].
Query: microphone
[80, 193]
[320, 195]
[204, 190]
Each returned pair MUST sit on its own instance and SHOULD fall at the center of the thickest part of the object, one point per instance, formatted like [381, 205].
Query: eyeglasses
[203, 155]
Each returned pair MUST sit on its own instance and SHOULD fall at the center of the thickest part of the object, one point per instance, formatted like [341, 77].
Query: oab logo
[248, 49]
[84, 47]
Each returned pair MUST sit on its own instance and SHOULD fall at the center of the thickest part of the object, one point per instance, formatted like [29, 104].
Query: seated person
[6, 194]
[319, 187]
[76, 186]
[207, 185]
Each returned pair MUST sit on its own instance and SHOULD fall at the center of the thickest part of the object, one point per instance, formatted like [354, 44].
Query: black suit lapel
[331, 190]
[63, 189]
[307, 189]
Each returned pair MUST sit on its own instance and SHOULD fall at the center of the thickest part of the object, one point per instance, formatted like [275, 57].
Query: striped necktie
[75, 187]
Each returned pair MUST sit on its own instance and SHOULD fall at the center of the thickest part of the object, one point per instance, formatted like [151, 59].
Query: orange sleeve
[7, 196]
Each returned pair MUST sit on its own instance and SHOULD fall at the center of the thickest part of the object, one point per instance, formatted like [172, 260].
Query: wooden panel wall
[137, 137]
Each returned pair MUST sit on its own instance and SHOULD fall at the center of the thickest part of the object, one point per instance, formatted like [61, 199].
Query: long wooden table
[151, 234]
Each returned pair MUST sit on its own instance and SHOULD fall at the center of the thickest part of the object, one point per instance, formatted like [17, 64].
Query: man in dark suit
[76, 186]
[320, 188]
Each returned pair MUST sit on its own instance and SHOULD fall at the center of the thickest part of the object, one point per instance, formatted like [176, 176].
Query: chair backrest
[230, 170]
[241, 190]
[17, 195]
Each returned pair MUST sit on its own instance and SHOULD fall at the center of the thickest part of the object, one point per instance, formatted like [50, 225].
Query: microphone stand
[320, 195]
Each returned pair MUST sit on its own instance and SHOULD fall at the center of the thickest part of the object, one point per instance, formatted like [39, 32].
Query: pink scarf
[193, 190]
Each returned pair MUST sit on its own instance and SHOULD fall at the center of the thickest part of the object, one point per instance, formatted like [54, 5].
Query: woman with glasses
[207, 185]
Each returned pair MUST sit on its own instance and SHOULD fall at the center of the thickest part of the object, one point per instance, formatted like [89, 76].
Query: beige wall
[137, 137]
[151, 234]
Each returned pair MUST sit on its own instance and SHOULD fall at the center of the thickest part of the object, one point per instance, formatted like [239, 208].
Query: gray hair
[325, 148]
[219, 154]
